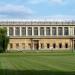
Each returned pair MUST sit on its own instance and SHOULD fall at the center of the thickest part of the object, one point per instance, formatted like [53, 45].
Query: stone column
[7, 31]
[51, 31]
[20, 31]
[26, 31]
[63, 30]
[32, 45]
[14, 30]
[57, 30]
[44, 31]
[38, 31]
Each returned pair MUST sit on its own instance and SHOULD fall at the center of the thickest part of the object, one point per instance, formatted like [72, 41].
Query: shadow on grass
[33, 72]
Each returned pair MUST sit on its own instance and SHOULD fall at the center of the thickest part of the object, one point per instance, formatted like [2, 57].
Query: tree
[4, 39]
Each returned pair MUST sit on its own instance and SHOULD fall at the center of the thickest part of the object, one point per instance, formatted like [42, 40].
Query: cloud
[11, 10]
[36, 1]
[57, 1]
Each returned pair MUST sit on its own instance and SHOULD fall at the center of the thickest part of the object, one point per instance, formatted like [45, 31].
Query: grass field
[37, 63]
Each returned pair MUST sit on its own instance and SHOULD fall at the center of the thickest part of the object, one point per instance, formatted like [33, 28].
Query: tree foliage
[4, 39]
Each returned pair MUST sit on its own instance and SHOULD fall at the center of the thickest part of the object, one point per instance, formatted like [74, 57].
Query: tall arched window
[41, 30]
[35, 30]
[47, 30]
[23, 31]
[29, 30]
[10, 31]
[53, 30]
[66, 31]
[17, 31]
[60, 31]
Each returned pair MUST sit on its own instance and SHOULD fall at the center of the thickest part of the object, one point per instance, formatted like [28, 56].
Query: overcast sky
[31, 8]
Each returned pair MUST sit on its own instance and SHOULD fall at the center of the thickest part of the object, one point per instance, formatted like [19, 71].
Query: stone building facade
[40, 35]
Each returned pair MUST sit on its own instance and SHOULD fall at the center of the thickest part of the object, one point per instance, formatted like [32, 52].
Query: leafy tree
[4, 39]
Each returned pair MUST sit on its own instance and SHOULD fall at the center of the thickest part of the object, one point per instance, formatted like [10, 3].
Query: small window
[48, 45]
[42, 45]
[29, 45]
[60, 45]
[17, 45]
[11, 45]
[66, 45]
[54, 45]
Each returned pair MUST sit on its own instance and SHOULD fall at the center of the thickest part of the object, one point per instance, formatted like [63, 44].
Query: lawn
[37, 63]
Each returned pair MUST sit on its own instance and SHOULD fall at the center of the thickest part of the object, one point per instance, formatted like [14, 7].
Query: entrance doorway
[36, 44]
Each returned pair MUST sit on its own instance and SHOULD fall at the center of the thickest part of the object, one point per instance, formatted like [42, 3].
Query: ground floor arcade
[41, 44]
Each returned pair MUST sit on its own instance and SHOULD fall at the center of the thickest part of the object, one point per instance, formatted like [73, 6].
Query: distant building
[40, 35]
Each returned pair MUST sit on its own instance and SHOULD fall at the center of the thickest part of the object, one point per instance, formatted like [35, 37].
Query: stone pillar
[7, 31]
[39, 45]
[14, 30]
[51, 31]
[44, 31]
[57, 30]
[26, 31]
[70, 29]
[32, 45]
[20, 31]
[63, 30]
[38, 31]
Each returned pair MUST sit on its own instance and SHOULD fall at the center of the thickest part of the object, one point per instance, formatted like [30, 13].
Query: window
[35, 30]
[10, 31]
[60, 45]
[29, 45]
[11, 45]
[41, 30]
[23, 45]
[66, 31]
[54, 45]
[17, 45]
[42, 45]
[17, 31]
[48, 45]
[23, 31]
[47, 30]
[53, 30]
[29, 30]
[66, 45]
[60, 31]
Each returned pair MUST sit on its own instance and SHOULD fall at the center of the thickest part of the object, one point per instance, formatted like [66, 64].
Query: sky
[36, 8]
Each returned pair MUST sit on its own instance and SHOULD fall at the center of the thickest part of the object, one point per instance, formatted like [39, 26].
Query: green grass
[37, 63]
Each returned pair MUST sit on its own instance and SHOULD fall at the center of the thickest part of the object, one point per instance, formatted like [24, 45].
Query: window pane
[60, 31]
[17, 31]
[60, 45]
[29, 30]
[54, 45]
[66, 45]
[48, 31]
[48, 45]
[23, 31]
[66, 31]
[10, 31]
[35, 30]
[17, 45]
[53, 30]
[41, 30]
